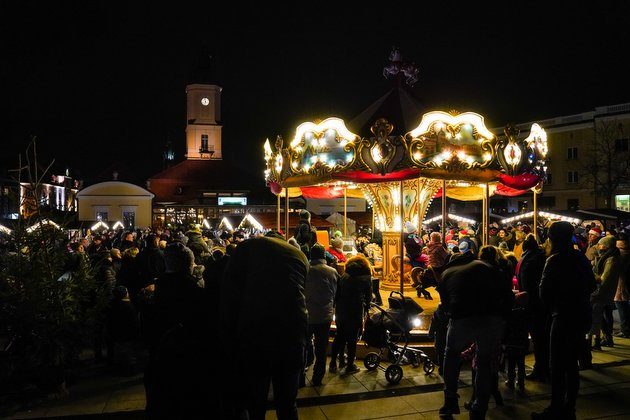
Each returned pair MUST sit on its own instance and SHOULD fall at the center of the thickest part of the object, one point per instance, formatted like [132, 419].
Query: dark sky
[100, 82]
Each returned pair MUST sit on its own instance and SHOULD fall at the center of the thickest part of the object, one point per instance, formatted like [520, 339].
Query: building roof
[196, 176]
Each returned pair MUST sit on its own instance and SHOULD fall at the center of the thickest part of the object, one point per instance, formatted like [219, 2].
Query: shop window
[546, 203]
[622, 202]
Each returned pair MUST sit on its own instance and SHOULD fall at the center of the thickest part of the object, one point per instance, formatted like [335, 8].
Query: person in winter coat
[179, 352]
[413, 245]
[594, 235]
[477, 298]
[565, 288]
[263, 303]
[516, 342]
[128, 275]
[622, 296]
[320, 290]
[305, 234]
[336, 249]
[197, 245]
[436, 252]
[529, 273]
[150, 262]
[463, 237]
[606, 268]
[127, 242]
[352, 300]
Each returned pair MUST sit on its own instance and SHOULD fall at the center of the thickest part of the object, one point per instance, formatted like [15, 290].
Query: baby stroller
[389, 329]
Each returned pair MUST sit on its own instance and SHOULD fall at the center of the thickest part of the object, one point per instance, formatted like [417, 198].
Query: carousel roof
[399, 106]
[450, 146]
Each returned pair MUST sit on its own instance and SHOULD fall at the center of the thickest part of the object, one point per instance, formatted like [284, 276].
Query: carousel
[448, 154]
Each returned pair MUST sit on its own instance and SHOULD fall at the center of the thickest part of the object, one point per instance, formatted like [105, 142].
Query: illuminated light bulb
[268, 151]
[417, 155]
[487, 156]
[470, 160]
[458, 136]
[416, 322]
[343, 142]
[438, 161]
[294, 164]
[461, 155]
[376, 154]
[448, 135]
[307, 168]
[439, 126]
[348, 157]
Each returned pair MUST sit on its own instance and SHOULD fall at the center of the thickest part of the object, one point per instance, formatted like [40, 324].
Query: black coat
[262, 295]
[566, 286]
[150, 265]
[352, 300]
[529, 276]
[471, 287]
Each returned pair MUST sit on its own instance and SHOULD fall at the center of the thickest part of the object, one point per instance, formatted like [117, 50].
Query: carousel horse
[422, 278]
[407, 268]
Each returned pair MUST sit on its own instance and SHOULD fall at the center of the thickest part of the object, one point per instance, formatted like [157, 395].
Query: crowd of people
[255, 310]
[559, 291]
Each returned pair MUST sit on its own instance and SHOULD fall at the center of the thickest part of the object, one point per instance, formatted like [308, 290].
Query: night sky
[100, 83]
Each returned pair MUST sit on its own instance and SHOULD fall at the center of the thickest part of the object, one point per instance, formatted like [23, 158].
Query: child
[516, 342]
[470, 354]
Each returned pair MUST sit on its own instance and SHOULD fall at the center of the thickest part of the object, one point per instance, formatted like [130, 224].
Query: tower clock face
[205, 101]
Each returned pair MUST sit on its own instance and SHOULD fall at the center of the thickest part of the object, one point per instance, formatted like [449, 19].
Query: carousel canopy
[444, 145]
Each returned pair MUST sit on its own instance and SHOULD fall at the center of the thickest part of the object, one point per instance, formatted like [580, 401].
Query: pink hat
[595, 231]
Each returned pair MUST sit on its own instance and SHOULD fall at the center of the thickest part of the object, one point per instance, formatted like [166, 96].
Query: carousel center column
[386, 202]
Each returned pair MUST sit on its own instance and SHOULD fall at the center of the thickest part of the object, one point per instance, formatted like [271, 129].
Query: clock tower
[203, 122]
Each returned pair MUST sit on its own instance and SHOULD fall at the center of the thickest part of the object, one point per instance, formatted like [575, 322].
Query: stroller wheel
[371, 361]
[393, 374]
[428, 367]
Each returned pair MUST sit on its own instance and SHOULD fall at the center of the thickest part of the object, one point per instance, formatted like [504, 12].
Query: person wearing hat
[565, 288]
[607, 267]
[594, 235]
[413, 246]
[179, 350]
[336, 249]
[464, 238]
[304, 232]
[319, 290]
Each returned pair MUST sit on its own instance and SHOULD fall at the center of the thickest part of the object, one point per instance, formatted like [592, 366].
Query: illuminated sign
[232, 201]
